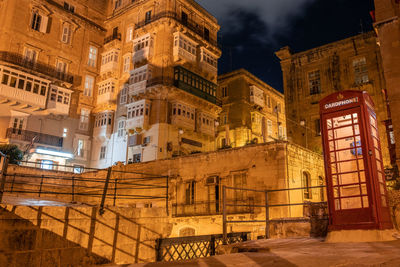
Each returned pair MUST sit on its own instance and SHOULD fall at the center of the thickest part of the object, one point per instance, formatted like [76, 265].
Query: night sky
[249, 38]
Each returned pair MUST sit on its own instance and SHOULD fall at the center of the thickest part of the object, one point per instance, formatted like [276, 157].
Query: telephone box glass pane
[347, 165]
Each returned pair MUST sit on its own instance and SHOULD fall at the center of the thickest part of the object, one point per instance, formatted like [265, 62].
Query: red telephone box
[355, 178]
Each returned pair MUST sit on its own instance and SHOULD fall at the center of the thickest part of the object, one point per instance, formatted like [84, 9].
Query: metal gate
[191, 247]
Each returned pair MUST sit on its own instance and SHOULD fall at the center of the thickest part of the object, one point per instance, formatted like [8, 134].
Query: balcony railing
[187, 87]
[205, 208]
[112, 38]
[45, 69]
[192, 25]
[34, 137]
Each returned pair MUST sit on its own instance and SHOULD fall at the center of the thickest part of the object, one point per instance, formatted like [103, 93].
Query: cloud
[275, 14]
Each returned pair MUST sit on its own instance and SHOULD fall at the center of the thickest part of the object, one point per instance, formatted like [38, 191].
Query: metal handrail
[20, 60]
[190, 24]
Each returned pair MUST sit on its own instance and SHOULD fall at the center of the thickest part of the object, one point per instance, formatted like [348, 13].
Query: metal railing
[190, 24]
[266, 205]
[106, 186]
[192, 247]
[3, 173]
[29, 136]
[18, 59]
[113, 37]
[205, 208]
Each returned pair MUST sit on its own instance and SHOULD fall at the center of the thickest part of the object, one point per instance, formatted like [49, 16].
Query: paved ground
[302, 252]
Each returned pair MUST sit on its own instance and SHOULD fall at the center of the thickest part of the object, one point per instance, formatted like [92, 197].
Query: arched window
[306, 181]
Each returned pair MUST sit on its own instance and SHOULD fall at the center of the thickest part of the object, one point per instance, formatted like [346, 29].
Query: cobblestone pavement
[302, 252]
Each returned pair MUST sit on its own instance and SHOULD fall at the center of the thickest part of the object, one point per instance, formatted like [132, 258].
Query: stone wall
[79, 235]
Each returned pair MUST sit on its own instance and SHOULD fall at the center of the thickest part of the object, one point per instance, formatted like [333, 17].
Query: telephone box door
[348, 184]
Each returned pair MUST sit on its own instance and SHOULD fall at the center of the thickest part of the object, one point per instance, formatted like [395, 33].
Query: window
[124, 95]
[66, 33]
[360, 71]
[106, 87]
[280, 132]
[59, 96]
[84, 119]
[80, 151]
[224, 91]
[127, 63]
[206, 34]
[39, 22]
[190, 189]
[138, 110]
[136, 158]
[317, 127]
[129, 34]
[111, 56]
[69, 7]
[314, 82]
[184, 18]
[121, 128]
[103, 152]
[30, 55]
[24, 82]
[117, 4]
[239, 180]
[306, 180]
[208, 58]
[89, 82]
[148, 17]
[61, 66]
[92, 59]
[268, 101]
[269, 127]
[18, 125]
[47, 164]
[103, 119]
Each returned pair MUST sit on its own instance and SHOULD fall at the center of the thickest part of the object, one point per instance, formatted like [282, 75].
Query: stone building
[350, 64]
[48, 66]
[157, 84]
[252, 111]
[114, 81]
[195, 198]
[387, 27]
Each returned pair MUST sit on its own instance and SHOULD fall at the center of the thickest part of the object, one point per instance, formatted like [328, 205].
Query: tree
[13, 152]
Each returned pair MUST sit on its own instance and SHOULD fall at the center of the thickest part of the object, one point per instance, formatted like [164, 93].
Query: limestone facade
[252, 111]
[49, 63]
[387, 27]
[350, 64]
[159, 76]
[97, 82]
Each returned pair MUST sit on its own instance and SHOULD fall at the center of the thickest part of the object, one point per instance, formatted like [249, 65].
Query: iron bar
[41, 185]
[3, 174]
[266, 216]
[115, 191]
[224, 224]
[103, 199]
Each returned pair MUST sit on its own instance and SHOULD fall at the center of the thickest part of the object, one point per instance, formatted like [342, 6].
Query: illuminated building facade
[350, 64]
[252, 111]
[105, 81]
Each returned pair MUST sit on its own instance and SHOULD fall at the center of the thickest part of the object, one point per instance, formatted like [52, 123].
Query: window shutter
[43, 25]
[49, 21]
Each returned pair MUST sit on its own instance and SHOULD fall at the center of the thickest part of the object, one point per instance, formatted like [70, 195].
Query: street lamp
[303, 123]
[180, 132]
